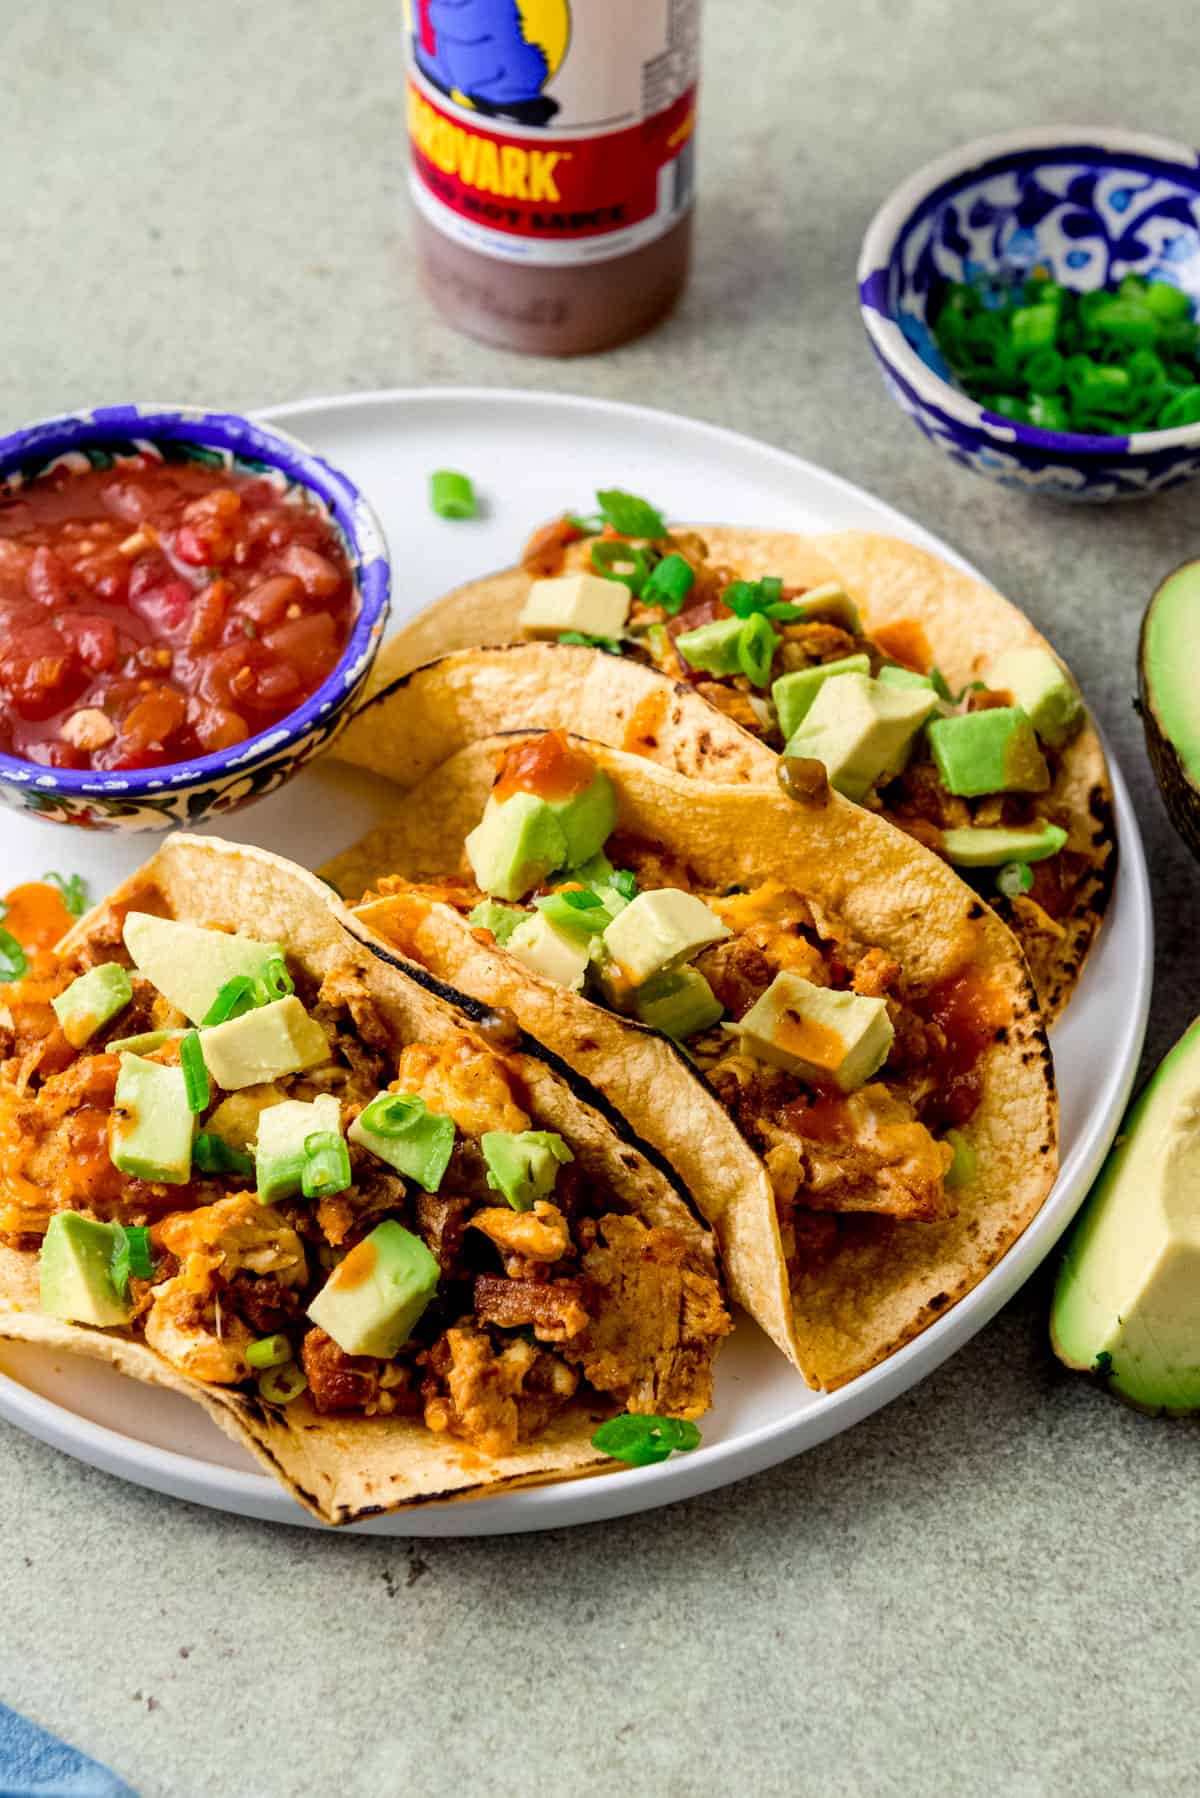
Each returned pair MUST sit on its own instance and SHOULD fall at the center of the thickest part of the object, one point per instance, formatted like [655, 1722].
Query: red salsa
[152, 612]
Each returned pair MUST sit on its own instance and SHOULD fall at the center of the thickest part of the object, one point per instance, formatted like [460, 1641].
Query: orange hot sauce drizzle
[905, 641]
[546, 766]
[36, 915]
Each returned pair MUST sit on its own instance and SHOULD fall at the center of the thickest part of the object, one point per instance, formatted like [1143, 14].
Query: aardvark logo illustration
[494, 55]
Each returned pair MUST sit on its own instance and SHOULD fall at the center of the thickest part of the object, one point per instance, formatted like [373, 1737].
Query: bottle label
[553, 132]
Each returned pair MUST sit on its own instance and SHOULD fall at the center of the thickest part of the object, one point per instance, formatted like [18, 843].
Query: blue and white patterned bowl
[187, 793]
[1091, 205]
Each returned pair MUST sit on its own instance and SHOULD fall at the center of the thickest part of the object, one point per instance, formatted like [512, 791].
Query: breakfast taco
[927, 696]
[391, 1247]
[819, 1026]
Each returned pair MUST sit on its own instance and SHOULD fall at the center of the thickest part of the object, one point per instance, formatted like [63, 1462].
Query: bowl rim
[891, 220]
[243, 436]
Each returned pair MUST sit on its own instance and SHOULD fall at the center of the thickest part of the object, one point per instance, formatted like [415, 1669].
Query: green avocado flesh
[1170, 698]
[988, 752]
[374, 1297]
[1127, 1301]
[794, 693]
[523, 839]
[91, 1001]
[399, 1129]
[151, 1133]
[991, 846]
[523, 1164]
[188, 964]
[283, 1130]
[75, 1272]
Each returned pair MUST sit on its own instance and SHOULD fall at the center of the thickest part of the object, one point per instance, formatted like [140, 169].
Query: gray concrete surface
[989, 1589]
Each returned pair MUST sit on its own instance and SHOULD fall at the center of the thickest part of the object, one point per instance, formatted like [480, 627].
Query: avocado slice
[988, 752]
[1169, 701]
[150, 1135]
[521, 840]
[862, 731]
[1043, 689]
[893, 675]
[830, 604]
[794, 693]
[145, 1042]
[523, 1164]
[188, 964]
[283, 1130]
[986, 846]
[679, 1003]
[713, 648]
[75, 1272]
[558, 955]
[264, 1044]
[1127, 1300]
[373, 1299]
[89, 1002]
[816, 1032]
[400, 1129]
[501, 920]
[660, 929]
[576, 602]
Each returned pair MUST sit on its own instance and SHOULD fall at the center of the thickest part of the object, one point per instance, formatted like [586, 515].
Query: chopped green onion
[195, 1074]
[241, 994]
[641, 1441]
[580, 898]
[756, 650]
[280, 1385]
[276, 979]
[785, 611]
[669, 584]
[269, 1351]
[629, 515]
[213, 1155]
[625, 882]
[391, 1114]
[131, 1256]
[610, 645]
[614, 560]
[13, 959]
[451, 495]
[326, 1165]
[73, 888]
[1014, 878]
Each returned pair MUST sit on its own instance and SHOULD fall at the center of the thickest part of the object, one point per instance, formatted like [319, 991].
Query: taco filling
[973, 774]
[850, 1075]
[212, 1151]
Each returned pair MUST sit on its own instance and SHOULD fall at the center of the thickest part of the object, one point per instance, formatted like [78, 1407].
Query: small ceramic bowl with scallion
[1033, 301]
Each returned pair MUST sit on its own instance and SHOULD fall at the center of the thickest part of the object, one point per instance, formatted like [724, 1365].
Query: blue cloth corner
[34, 1764]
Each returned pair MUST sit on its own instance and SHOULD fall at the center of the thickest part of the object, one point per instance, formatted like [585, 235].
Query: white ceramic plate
[531, 455]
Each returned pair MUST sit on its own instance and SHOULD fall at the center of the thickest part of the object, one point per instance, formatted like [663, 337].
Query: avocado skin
[1130, 1175]
[1178, 784]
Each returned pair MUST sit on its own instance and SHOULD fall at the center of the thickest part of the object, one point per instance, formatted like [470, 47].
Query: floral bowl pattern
[1089, 205]
[187, 793]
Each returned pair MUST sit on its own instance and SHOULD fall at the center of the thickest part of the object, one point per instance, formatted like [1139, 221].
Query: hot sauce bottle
[552, 165]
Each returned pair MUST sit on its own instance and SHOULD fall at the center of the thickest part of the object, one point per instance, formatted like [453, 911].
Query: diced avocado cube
[89, 1002]
[283, 1130]
[831, 605]
[516, 845]
[401, 1130]
[894, 676]
[75, 1272]
[558, 955]
[523, 1165]
[144, 1043]
[150, 1136]
[576, 602]
[992, 846]
[988, 752]
[374, 1298]
[235, 1119]
[588, 818]
[963, 1168]
[817, 1033]
[713, 647]
[1043, 689]
[679, 1003]
[658, 930]
[794, 693]
[188, 964]
[862, 731]
[501, 920]
[264, 1044]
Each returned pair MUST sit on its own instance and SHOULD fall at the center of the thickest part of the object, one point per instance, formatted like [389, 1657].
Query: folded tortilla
[886, 1280]
[967, 623]
[344, 1468]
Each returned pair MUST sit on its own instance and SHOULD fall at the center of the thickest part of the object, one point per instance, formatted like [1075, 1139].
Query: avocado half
[1168, 660]
[1127, 1302]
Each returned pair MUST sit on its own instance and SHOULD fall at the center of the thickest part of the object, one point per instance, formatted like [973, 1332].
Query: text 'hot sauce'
[552, 164]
